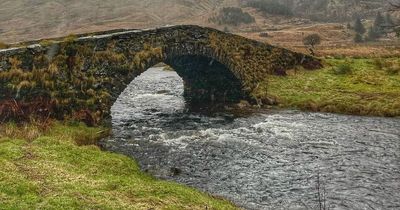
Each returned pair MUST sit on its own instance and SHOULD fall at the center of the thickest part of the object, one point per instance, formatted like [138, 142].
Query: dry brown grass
[3, 45]
[90, 136]
[32, 130]
[337, 41]
[377, 50]
[27, 131]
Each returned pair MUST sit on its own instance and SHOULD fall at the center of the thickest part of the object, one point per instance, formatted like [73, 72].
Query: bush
[390, 67]
[264, 34]
[358, 38]
[379, 64]
[393, 69]
[312, 40]
[342, 69]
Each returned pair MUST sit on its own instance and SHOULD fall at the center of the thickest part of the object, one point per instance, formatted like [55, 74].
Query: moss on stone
[82, 78]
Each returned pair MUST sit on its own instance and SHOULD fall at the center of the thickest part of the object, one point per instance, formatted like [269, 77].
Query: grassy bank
[45, 168]
[347, 86]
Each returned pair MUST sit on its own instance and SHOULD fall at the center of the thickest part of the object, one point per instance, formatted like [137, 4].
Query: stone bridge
[82, 76]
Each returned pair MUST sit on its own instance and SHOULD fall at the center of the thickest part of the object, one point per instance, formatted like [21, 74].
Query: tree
[358, 38]
[359, 27]
[379, 20]
[388, 20]
[395, 6]
[312, 40]
[379, 24]
[372, 34]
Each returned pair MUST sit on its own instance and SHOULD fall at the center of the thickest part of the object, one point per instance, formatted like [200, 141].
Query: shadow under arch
[209, 80]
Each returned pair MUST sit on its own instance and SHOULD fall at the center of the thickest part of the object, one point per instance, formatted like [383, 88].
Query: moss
[50, 171]
[61, 81]
[70, 38]
[368, 90]
[252, 60]
[145, 57]
[46, 43]
[80, 78]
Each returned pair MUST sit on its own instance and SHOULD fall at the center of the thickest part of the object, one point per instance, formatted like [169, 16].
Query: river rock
[243, 104]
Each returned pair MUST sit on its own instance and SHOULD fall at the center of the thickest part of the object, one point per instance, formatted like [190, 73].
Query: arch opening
[207, 81]
[208, 84]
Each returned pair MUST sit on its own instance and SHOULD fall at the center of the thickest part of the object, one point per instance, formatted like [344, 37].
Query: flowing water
[267, 160]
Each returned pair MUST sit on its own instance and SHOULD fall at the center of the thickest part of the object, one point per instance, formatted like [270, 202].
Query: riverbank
[346, 86]
[58, 166]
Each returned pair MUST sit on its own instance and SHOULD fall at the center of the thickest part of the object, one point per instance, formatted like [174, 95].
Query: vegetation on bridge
[80, 79]
[63, 86]
[42, 167]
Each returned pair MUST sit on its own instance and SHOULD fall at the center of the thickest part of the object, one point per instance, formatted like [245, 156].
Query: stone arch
[207, 78]
[82, 76]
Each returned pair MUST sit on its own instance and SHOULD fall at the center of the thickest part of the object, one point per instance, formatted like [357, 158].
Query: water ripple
[263, 161]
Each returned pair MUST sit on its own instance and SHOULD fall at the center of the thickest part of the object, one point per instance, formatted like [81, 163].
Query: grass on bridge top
[46, 169]
[347, 86]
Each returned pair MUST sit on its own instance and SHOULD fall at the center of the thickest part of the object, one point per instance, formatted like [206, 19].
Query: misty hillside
[337, 10]
[26, 19]
[22, 20]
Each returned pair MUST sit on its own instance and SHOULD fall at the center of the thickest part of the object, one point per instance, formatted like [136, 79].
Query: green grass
[347, 86]
[46, 169]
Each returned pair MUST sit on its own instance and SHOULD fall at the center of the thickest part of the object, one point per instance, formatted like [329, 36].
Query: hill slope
[338, 10]
[25, 19]
[22, 20]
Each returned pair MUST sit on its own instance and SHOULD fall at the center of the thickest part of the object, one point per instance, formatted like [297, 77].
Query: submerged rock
[162, 92]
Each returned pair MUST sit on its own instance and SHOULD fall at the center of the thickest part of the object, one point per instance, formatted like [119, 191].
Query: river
[266, 160]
